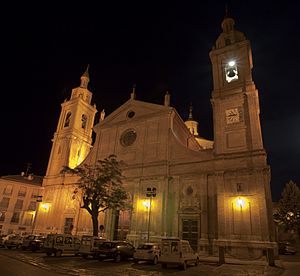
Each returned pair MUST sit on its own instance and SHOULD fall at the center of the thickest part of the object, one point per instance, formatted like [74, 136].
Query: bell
[231, 73]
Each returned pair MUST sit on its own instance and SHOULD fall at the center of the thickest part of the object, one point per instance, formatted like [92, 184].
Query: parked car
[117, 250]
[285, 247]
[89, 246]
[147, 252]
[37, 244]
[59, 244]
[2, 240]
[28, 240]
[178, 252]
[14, 241]
[5, 238]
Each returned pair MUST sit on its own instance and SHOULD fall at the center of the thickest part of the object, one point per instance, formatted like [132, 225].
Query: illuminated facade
[72, 142]
[213, 193]
[19, 196]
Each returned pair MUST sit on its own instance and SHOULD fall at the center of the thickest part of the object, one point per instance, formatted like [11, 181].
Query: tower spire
[102, 115]
[85, 78]
[191, 112]
[226, 10]
[132, 95]
[167, 99]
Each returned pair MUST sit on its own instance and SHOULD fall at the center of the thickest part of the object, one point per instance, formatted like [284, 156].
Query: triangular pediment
[133, 109]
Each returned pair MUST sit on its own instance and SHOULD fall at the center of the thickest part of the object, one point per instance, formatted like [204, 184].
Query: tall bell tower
[73, 137]
[234, 97]
[243, 224]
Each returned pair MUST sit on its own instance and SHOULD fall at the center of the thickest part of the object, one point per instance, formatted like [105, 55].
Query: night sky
[157, 46]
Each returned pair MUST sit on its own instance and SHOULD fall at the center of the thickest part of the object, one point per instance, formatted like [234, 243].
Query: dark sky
[157, 45]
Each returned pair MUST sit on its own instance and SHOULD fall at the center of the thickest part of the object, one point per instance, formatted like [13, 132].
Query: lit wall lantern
[146, 203]
[240, 203]
[45, 207]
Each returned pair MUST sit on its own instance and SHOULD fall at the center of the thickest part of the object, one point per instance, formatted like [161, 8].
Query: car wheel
[183, 266]
[84, 256]
[155, 260]
[58, 253]
[48, 253]
[118, 258]
[9, 247]
[164, 265]
[135, 261]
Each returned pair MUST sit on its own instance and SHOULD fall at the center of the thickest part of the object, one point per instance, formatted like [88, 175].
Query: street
[10, 266]
[18, 263]
[28, 263]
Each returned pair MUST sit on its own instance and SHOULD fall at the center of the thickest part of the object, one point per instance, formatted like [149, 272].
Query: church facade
[212, 193]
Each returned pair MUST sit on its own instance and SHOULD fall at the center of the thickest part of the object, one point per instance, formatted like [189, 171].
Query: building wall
[18, 204]
[215, 194]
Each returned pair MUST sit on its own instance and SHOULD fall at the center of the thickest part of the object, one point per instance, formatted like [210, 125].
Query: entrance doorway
[68, 227]
[190, 232]
[121, 226]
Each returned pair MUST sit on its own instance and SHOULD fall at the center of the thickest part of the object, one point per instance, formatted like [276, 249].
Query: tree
[287, 214]
[101, 187]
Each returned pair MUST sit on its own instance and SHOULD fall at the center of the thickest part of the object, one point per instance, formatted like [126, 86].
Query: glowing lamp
[231, 63]
[146, 203]
[45, 207]
[240, 203]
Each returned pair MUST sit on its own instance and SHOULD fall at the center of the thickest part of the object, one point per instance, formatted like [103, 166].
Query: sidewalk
[234, 266]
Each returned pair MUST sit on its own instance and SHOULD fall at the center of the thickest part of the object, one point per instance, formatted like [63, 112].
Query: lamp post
[79, 200]
[151, 192]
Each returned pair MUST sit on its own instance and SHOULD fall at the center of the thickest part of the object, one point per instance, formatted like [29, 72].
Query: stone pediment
[133, 110]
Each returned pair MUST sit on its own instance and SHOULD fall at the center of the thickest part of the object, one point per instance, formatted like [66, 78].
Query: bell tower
[242, 177]
[73, 137]
[234, 98]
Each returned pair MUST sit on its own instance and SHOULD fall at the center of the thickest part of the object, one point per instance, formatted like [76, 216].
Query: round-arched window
[130, 114]
[128, 137]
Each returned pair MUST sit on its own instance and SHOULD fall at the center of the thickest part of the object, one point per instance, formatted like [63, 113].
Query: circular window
[128, 137]
[130, 114]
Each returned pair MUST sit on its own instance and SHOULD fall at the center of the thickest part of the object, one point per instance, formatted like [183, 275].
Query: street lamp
[77, 195]
[151, 192]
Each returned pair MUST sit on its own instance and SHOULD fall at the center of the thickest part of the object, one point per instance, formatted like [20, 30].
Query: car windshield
[86, 238]
[50, 238]
[107, 245]
[145, 246]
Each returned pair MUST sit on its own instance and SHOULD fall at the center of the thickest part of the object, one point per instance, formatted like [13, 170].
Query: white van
[59, 244]
[89, 246]
[177, 252]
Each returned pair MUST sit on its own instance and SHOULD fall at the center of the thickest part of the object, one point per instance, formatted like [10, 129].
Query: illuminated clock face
[128, 137]
[231, 71]
[232, 115]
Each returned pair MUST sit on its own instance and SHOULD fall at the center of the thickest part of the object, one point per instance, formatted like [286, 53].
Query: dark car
[286, 248]
[28, 240]
[37, 244]
[2, 240]
[117, 250]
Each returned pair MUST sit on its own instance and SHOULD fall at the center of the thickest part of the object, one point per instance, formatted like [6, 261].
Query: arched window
[83, 121]
[68, 119]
